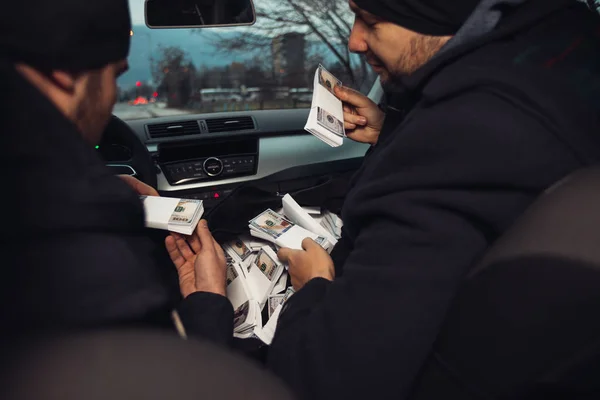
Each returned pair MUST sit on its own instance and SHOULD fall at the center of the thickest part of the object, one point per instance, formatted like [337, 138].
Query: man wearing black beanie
[74, 247]
[488, 103]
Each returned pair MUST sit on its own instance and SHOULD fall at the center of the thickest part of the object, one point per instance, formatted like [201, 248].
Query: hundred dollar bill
[326, 116]
[273, 302]
[329, 122]
[240, 315]
[266, 264]
[267, 332]
[276, 229]
[277, 299]
[231, 273]
[271, 223]
[263, 274]
[172, 214]
[239, 250]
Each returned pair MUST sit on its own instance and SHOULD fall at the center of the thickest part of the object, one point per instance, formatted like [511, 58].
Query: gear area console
[201, 161]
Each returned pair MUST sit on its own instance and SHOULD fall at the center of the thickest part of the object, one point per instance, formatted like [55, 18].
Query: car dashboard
[206, 156]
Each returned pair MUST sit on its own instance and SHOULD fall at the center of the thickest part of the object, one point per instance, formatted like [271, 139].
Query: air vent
[180, 128]
[216, 125]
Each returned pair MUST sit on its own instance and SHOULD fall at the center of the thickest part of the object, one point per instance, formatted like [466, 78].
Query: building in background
[289, 58]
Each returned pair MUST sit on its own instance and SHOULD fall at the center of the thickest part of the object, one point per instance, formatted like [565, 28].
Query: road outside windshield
[269, 65]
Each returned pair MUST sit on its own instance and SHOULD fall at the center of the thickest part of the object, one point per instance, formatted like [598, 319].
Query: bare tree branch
[326, 22]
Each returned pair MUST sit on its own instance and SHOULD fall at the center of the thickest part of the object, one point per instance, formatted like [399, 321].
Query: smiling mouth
[373, 64]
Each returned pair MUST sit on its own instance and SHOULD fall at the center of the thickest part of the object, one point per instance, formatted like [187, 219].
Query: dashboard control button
[213, 166]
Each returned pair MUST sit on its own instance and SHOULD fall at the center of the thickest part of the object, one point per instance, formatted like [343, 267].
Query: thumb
[352, 97]
[308, 244]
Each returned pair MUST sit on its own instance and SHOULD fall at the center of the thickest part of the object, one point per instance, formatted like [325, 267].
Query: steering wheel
[135, 159]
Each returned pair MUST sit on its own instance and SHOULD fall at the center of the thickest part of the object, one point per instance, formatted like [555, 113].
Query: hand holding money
[304, 265]
[200, 262]
[276, 229]
[255, 276]
[363, 119]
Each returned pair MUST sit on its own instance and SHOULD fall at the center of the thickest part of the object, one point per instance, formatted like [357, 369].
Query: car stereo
[189, 162]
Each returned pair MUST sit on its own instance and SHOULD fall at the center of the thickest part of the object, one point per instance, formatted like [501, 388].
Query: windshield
[269, 65]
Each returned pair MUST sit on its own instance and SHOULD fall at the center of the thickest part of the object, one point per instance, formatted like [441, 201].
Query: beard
[420, 50]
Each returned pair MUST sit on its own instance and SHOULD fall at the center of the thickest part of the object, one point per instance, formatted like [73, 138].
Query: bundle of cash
[171, 214]
[263, 274]
[332, 224]
[276, 304]
[275, 300]
[301, 217]
[246, 315]
[326, 117]
[256, 278]
[276, 229]
[251, 278]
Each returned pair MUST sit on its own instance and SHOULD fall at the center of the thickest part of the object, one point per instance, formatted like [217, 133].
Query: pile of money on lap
[256, 278]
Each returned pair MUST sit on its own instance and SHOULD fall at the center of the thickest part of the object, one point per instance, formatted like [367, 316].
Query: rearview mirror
[198, 13]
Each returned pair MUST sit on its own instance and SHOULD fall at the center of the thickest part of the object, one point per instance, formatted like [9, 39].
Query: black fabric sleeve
[301, 303]
[428, 204]
[207, 316]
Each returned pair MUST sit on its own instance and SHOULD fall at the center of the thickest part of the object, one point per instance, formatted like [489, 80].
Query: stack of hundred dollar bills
[256, 278]
[326, 116]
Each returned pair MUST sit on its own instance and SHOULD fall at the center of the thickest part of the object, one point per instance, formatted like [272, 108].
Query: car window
[269, 65]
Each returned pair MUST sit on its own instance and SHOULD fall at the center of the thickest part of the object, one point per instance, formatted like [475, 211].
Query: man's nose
[356, 41]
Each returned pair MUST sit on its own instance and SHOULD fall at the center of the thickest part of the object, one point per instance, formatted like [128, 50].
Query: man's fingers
[349, 127]
[194, 242]
[352, 97]
[308, 244]
[174, 252]
[206, 238]
[184, 248]
[220, 252]
[355, 119]
[284, 254]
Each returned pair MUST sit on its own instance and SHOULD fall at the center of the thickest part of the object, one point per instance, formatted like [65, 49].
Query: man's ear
[65, 80]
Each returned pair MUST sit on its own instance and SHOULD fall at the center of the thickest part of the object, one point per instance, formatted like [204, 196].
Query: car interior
[205, 157]
[208, 155]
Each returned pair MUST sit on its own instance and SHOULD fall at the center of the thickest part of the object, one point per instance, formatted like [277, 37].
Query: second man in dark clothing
[487, 104]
